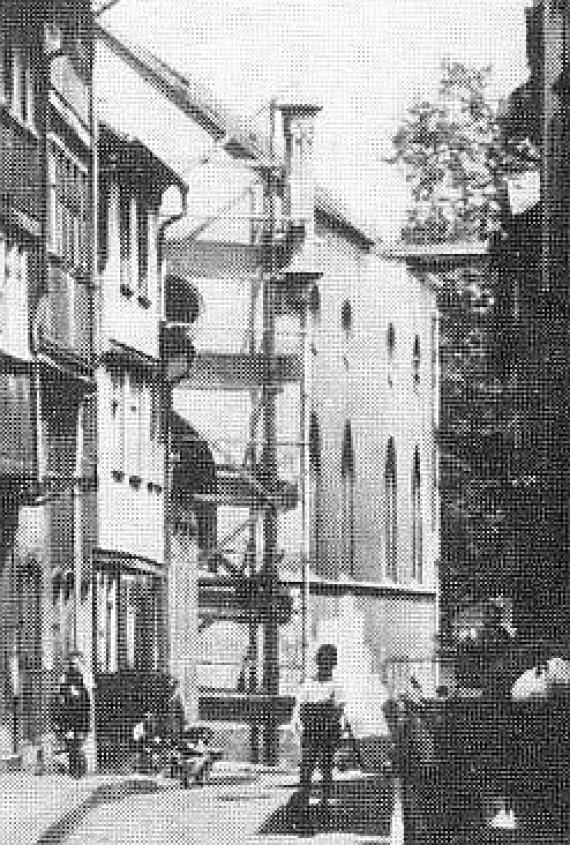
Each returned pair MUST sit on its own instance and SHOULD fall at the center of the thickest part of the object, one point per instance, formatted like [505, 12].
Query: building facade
[305, 435]
[129, 558]
[218, 451]
[47, 377]
[533, 266]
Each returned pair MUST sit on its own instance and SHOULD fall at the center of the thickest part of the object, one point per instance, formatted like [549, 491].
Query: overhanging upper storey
[133, 211]
[128, 156]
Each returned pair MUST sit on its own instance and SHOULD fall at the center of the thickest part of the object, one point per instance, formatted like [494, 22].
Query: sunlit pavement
[251, 807]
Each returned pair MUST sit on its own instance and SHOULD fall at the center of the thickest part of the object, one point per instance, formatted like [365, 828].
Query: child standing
[318, 718]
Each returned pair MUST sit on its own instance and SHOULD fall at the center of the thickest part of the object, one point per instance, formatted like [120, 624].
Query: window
[347, 472]
[391, 512]
[125, 237]
[135, 427]
[118, 421]
[6, 272]
[434, 399]
[416, 361]
[139, 621]
[314, 302]
[315, 492]
[7, 67]
[16, 76]
[155, 432]
[127, 621]
[142, 234]
[417, 528]
[13, 291]
[346, 316]
[390, 350]
[68, 185]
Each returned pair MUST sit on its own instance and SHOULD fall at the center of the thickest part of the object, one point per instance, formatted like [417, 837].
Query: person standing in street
[73, 714]
[318, 718]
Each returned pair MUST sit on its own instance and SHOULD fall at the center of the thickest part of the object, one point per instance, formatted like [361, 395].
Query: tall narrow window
[142, 234]
[346, 316]
[24, 86]
[118, 421]
[155, 432]
[125, 237]
[314, 302]
[390, 351]
[133, 426]
[7, 67]
[347, 472]
[391, 512]
[5, 258]
[417, 529]
[434, 398]
[315, 504]
[416, 362]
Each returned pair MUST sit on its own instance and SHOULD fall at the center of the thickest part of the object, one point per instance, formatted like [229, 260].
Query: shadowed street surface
[252, 808]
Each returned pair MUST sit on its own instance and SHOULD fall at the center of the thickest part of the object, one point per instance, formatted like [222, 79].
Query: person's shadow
[360, 804]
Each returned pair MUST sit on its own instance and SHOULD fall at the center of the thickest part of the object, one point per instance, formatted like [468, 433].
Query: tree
[456, 162]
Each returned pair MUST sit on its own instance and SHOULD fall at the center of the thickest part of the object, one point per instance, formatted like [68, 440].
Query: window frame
[348, 491]
[391, 512]
[417, 520]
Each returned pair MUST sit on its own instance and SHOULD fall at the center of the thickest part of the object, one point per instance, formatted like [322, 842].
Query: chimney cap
[301, 107]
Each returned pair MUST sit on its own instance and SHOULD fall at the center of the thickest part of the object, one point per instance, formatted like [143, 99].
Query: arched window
[315, 505]
[390, 350]
[391, 511]
[417, 528]
[314, 302]
[416, 361]
[347, 473]
[346, 316]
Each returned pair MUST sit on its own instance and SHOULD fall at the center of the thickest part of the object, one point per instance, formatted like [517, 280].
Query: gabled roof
[201, 105]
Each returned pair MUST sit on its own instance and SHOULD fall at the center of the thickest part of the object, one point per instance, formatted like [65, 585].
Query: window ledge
[126, 290]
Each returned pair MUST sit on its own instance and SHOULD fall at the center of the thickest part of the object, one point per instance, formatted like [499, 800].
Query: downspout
[167, 390]
[92, 240]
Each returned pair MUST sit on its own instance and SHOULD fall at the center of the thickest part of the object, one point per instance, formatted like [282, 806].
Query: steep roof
[200, 104]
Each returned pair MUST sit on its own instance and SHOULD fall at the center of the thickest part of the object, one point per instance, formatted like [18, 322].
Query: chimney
[298, 130]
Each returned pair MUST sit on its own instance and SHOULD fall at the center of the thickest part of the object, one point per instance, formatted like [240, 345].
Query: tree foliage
[456, 162]
[455, 159]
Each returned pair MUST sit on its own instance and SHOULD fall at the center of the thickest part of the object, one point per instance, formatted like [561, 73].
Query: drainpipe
[92, 239]
[167, 389]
